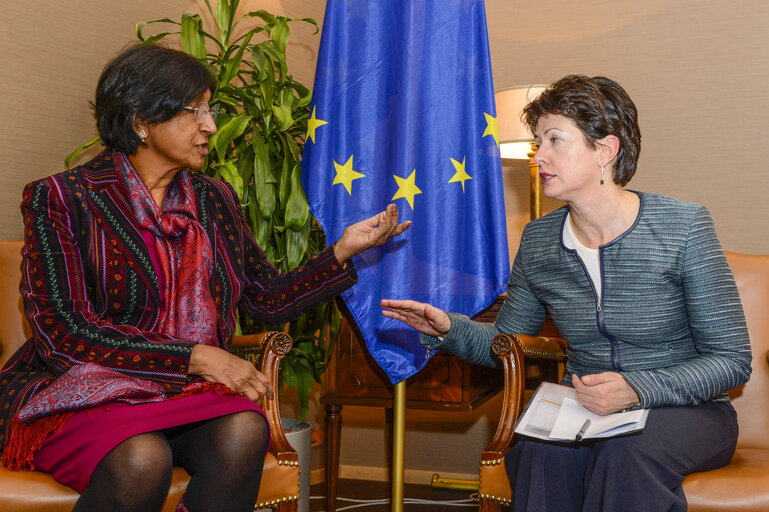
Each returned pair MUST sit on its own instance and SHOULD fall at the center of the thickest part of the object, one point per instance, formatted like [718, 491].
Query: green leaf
[283, 115]
[286, 97]
[335, 318]
[140, 28]
[229, 131]
[296, 244]
[303, 92]
[260, 227]
[275, 60]
[234, 63]
[293, 148]
[72, 156]
[271, 52]
[208, 6]
[193, 40]
[257, 54]
[297, 208]
[229, 172]
[225, 13]
[245, 162]
[311, 21]
[268, 18]
[265, 191]
[285, 174]
[279, 34]
[303, 385]
[289, 376]
[300, 324]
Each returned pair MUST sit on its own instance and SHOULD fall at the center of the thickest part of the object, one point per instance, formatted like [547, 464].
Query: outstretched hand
[422, 317]
[368, 233]
[604, 393]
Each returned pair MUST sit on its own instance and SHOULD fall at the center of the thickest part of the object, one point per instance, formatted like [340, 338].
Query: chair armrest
[542, 347]
[511, 349]
[272, 346]
[247, 343]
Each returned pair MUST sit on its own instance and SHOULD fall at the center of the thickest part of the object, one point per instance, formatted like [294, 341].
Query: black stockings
[135, 475]
[224, 456]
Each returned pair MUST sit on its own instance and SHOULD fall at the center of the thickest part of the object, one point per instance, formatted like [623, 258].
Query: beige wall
[697, 70]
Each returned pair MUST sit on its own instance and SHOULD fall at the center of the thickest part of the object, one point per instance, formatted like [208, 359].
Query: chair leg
[291, 506]
[489, 505]
[333, 437]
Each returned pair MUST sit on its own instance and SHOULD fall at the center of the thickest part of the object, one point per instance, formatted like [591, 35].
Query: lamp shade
[514, 136]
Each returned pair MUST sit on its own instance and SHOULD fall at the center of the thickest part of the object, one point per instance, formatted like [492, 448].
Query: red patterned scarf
[82, 387]
[183, 250]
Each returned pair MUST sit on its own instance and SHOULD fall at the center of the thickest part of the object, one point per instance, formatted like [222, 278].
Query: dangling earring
[142, 135]
[602, 175]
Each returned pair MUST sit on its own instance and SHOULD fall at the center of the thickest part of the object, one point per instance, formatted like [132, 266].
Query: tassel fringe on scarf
[26, 439]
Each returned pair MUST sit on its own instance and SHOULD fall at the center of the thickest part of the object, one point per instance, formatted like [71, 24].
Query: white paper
[554, 414]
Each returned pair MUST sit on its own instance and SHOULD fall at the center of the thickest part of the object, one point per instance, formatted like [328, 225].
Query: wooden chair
[742, 485]
[34, 491]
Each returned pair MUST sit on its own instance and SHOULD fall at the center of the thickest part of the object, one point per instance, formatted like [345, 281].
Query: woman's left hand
[604, 393]
[371, 232]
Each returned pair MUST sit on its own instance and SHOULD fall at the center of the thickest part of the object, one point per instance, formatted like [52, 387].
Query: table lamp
[515, 139]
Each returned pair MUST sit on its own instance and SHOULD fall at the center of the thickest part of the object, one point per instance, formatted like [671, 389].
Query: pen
[582, 431]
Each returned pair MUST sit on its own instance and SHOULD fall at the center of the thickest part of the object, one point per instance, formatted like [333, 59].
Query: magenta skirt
[72, 454]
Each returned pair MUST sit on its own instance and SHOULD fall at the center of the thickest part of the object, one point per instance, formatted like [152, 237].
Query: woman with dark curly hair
[639, 287]
[134, 270]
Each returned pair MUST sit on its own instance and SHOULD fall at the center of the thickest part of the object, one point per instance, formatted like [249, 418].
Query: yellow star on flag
[407, 188]
[492, 128]
[312, 124]
[460, 175]
[345, 175]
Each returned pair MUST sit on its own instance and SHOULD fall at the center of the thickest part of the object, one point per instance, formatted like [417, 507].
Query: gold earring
[602, 175]
[142, 135]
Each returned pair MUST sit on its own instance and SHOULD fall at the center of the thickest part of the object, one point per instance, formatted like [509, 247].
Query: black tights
[223, 455]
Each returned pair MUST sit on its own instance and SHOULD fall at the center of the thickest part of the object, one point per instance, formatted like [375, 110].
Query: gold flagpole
[399, 432]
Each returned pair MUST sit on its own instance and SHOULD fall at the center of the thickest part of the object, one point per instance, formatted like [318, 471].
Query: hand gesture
[422, 317]
[371, 232]
[217, 365]
[604, 393]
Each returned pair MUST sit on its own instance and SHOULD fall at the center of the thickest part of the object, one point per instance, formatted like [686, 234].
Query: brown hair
[599, 107]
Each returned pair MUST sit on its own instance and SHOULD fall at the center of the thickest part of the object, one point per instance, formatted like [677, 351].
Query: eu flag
[403, 111]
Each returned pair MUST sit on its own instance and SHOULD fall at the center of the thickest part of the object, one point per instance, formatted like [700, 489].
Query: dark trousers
[632, 473]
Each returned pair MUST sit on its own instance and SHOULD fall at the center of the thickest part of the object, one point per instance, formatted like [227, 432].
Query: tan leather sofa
[34, 491]
[743, 485]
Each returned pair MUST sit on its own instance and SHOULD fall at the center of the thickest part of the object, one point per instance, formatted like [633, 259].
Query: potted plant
[262, 124]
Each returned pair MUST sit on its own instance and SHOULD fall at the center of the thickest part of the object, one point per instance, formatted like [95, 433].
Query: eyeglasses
[202, 111]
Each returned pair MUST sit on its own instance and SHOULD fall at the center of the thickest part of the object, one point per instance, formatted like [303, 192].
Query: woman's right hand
[217, 365]
[422, 317]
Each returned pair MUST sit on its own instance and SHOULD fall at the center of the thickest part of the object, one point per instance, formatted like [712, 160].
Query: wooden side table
[446, 383]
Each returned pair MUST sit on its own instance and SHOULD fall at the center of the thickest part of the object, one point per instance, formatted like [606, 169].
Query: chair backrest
[751, 271]
[14, 329]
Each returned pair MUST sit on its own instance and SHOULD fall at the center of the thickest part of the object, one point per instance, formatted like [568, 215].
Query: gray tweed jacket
[669, 319]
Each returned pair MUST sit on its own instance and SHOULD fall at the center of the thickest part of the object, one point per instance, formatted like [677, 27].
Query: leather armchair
[34, 491]
[742, 485]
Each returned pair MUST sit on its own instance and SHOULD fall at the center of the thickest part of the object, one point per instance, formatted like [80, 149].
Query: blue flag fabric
[403, 111]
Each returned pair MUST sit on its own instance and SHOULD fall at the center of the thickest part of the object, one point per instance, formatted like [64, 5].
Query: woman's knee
[145, 457]
[244, 434]
[134, 476]
[556, 454]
